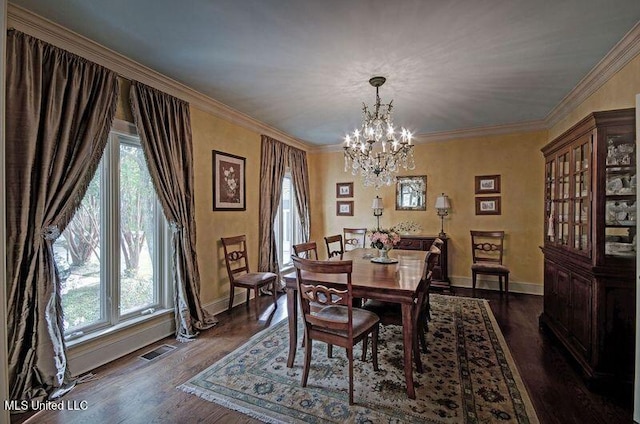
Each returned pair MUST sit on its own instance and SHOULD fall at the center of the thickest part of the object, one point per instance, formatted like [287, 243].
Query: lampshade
[377, 203]
[442, 202]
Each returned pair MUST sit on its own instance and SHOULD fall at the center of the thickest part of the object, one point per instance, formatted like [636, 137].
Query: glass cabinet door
[620, 196]
[550, 202]
[562, 203]
[581, 198]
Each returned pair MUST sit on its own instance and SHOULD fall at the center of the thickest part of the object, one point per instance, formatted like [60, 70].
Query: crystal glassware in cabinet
[620, 191]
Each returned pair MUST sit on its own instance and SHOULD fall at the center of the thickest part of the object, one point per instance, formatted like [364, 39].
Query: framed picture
[228, 182]
[411, 193]
[487, 184]
[344, 208]
[344, 190]
[488, 205]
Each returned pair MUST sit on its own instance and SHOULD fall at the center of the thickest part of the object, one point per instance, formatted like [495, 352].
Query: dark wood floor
[132, 390]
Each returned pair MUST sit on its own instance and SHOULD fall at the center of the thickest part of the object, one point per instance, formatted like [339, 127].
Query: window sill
[116, 328]
[98, 348]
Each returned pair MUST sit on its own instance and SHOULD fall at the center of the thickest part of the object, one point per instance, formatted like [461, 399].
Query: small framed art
[488, 205]
[344, 208]
[344, 190]
[228, 182]
[487, 184]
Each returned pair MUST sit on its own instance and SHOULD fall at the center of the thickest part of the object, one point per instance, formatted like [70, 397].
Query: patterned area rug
[469, 376]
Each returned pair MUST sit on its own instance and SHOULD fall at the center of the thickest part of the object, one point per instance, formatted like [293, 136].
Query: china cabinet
[590, 244]
[440, 280]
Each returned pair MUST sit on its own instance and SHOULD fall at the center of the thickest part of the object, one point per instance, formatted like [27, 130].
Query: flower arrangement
[407, 227]
[381, 238]
[231, 181]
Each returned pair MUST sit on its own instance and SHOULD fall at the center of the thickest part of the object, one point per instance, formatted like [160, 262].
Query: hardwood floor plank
[132, 390]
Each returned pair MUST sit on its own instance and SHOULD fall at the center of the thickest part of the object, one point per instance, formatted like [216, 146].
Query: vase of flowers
[384, 240]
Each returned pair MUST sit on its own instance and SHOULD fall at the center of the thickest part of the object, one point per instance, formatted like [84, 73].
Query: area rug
[469, 376]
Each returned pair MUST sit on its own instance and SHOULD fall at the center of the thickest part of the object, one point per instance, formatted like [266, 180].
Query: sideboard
[440, 279]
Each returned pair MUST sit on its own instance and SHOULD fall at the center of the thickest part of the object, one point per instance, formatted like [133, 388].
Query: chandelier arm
[377, 167]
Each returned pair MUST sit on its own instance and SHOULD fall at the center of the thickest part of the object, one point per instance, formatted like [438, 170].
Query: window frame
[110, 317]
[279, 227]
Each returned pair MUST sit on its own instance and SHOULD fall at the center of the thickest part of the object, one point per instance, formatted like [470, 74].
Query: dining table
[395, 282]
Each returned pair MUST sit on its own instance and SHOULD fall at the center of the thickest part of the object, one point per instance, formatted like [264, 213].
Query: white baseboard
[492, 284]
[86, 356]
[221, 304]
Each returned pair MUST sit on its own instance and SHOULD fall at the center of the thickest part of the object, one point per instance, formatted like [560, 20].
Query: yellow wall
[211, 133]
[451, 167]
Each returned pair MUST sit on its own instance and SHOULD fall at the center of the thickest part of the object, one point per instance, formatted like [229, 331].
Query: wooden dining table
[395, 282]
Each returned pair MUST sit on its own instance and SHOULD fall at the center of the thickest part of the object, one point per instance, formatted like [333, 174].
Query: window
[287, 224]
[110, 257]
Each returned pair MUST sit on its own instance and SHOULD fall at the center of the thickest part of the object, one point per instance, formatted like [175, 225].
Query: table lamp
[442, 208]
[377, 208]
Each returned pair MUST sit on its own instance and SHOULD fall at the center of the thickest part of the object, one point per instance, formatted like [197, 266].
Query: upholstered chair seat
[362, 320]
[489, 267]
[255, 278]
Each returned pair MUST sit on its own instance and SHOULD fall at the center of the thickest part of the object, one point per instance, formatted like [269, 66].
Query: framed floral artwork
[344, 189]
[488, 206]
[344, 208]
[487, 184]
[228, 182]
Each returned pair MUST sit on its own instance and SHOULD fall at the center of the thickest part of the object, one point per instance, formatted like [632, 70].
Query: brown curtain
[300, 177]
[164, 125]
[59, 111]
[275, 158]
[273, 162]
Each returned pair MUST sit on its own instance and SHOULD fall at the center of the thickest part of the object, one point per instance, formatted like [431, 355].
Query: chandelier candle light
[377, 150]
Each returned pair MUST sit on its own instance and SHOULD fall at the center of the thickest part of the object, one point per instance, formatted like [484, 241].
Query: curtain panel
[59, 111]
[275, 158]
[300, 177]
[273, 162]
[164, 125]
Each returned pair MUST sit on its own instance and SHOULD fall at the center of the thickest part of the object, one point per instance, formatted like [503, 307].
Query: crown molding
[28, 22]
[619, 56]
[518, 128]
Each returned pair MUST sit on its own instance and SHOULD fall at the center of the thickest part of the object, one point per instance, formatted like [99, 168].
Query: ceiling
[303, 66]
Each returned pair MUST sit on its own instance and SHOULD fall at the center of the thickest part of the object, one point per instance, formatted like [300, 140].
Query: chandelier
[377, 150]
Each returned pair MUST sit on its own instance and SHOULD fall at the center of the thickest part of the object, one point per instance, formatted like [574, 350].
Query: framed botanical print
[228, 182]
[344, 190]
[488, 205]
[487, 184]
[344, 208]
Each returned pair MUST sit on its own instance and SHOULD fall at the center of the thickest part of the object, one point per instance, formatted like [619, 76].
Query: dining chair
[334, 245]
[487, 249]
[305, 250]
[437, 242]
[333, 320]
[354, 238]
[390, 313]
[237, 262]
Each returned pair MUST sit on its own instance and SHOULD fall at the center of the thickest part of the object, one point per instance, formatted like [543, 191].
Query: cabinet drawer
[410, 244]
